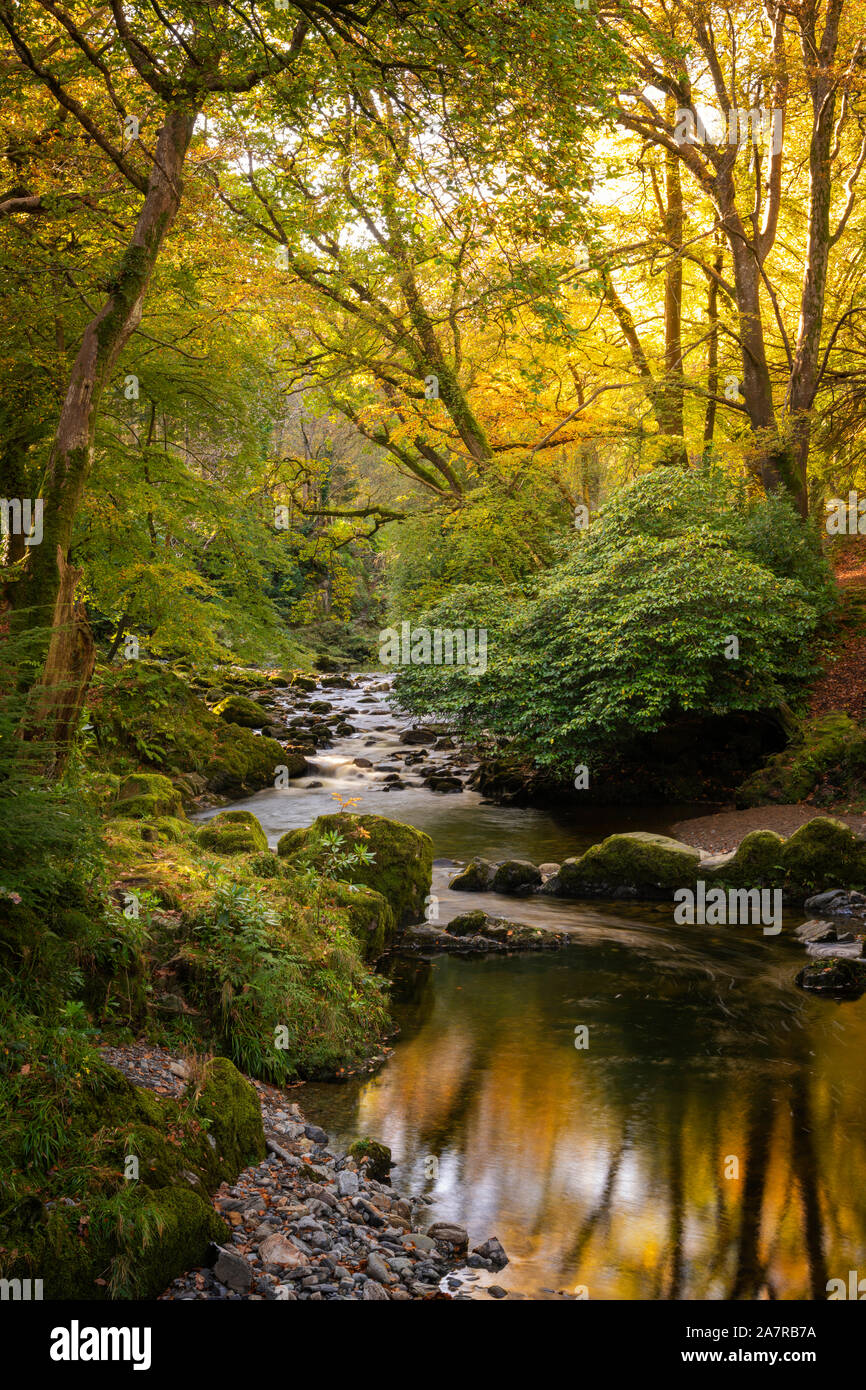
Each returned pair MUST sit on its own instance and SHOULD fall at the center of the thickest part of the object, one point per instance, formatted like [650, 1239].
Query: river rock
[816, 930]
[474, 878]
[840, 979]
[347, 1182]
[232, 1270]
[515, 876]
[493, 1252]
[373, 1291]
[276, 1250]
[835, 950]
[838, 902]
[438, 783]
[448, 1233]
[378, 1270]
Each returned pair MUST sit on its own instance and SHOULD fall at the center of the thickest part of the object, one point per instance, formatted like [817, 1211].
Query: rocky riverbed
[311, 1223]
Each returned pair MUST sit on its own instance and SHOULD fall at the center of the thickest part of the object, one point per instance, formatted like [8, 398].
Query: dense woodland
[544, 320]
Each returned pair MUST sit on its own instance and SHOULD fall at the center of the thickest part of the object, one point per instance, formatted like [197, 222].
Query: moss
[148, 795]
[756, 862]
[231, 1106]
[375, 1157]
[243, 762]
[823, 853]
[647, 865]
[825, 760]
[402, 865]
[265, 865]
[237, 709]
[232, 832]
[173, 829]
[120, 1235]
[370, 917]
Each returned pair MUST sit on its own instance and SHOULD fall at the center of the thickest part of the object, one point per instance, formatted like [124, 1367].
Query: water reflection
[708, 1144]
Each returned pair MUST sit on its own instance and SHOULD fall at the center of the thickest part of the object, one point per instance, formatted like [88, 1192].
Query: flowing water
[709, 1142]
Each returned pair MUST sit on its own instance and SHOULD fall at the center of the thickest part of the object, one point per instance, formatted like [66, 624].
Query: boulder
[515, 876]
[402, 858]
[148, 795]
[238, 709]
[375, 1158]
[232, 832]
[474, 878]
[637, 864]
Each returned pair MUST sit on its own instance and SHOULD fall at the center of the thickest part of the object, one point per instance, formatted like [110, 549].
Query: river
[707, 1142]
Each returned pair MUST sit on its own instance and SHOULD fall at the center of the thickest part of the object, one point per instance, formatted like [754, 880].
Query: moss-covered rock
[402, 865]
[115, 1202]
[822, 854]
[825, 760]
[148, 795]
[230, 1105]
[474, 878]
[243, 762]
[375, 1158]
[238, 709]
[369, 914]
[515, 876]
[172, 828]
[232, 832]
[638, 864]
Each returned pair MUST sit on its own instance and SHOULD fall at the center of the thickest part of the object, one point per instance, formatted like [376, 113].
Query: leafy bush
[629, 630]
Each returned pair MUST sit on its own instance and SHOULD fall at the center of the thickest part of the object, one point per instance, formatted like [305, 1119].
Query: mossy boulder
[822, 854]
[515, 876]
[243, 762]
[88, 1220]
[148, 795]
[369, 914]
[474, 878]
[755, 863]
[232, 832]
[825, 760]
[374, 1157]
[402, 864]
[173, 829]
[638, 864]
[238, 709]
[231, 1106]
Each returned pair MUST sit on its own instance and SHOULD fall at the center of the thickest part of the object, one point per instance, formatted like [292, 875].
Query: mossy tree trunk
[43, 596]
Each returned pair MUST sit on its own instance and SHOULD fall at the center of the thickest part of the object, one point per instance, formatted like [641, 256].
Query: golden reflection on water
[710, 1142]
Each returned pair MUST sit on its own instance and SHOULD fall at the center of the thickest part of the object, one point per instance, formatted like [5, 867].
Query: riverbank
[311, 1224]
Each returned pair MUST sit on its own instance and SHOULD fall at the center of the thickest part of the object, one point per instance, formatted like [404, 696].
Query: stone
[373, 1291]
[378, 1270]
[497, 1291]
[493, 1251]
[474, 878]
[347, 1183]
[446, 1232]
[835, 950]
[233, 1271]
[277, 1250]
[515, 876]
[317, 1135]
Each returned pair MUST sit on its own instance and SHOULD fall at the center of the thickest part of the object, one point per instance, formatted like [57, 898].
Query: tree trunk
[37, 597]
